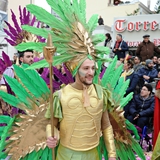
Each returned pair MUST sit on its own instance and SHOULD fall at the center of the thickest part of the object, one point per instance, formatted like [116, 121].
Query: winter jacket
[134, 78]
[121, 53]
[143, 107]
[146, 50]
[157, 67]
[152, 73]
[136, 67]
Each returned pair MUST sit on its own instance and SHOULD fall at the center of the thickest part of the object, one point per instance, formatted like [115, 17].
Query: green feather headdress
[71, 34]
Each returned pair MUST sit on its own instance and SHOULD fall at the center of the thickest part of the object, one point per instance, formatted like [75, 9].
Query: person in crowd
[142, 107]
[147, 73]
[26, 57]
[108, 43]
[146, 48]
[108, 40]
[137, 64]
[100, 21]
[157, 67]
[129, 74]
[120, 47]
[155, 60]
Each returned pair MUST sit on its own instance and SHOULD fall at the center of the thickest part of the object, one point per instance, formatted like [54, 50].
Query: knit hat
[148, 61]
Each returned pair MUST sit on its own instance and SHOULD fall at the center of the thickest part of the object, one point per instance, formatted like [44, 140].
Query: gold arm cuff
[49, 133]
[3, 88]
[109, 141]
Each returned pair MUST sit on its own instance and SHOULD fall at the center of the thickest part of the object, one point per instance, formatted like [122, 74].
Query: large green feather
[19, 90]
[116, 76]
[4, 119]
[56, 61]
[39, 82]
[136, 147]
[107, 77]
[12, 100]
[96, 77]
[36, 46]
[102, 50]
[82, 6]
[97, 38]
[92, 23]
[54, 5]
[28, 82]
[44, 16]
[126, 99]
[44, 33]
[4, 137]
[38, 31]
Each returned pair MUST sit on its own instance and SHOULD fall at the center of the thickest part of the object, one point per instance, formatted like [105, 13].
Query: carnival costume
[80, 119]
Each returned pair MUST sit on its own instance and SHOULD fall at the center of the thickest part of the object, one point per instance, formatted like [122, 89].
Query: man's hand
[146, 77]
[119, 49]
[52, 142]
[111, 158]
[136, 117]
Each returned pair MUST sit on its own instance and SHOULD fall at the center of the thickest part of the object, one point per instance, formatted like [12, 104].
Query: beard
[150, 68]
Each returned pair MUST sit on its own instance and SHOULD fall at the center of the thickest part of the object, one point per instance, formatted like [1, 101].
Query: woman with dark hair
[129, 74]
[108, 40]
[133, 77]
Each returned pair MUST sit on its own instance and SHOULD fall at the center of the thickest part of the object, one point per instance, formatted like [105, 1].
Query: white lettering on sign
[122, 25]
[136, 43]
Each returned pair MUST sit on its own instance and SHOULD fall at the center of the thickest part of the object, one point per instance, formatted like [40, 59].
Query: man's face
[146, 39]
[144, 92]
[150, 65]
[136, 60]
[27, 58]
[86, 72]
[155, 60]
[118, 37]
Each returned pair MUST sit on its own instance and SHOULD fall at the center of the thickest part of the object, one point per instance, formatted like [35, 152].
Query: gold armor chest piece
[80, 128]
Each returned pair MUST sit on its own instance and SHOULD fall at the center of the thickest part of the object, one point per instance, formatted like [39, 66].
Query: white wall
[108, 13]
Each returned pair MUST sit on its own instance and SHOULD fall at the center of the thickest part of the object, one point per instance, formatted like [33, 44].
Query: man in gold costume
[81, 110]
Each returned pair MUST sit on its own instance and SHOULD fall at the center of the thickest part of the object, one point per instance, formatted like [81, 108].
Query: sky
[45, 5]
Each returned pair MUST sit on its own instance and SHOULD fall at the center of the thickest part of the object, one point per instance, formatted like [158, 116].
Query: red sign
[121, 25]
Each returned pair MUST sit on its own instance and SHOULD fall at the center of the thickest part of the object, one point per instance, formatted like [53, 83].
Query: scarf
[118, 43]
[125, 73]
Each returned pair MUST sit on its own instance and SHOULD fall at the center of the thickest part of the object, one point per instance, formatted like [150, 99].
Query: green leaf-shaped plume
[56, 61]
[36, 46]
[97, 38]
[18, 89]
[92, 23]
[12, 100]
[109, 73]
[82, 6]
[44, 16]
[4, 135]
[28, 82]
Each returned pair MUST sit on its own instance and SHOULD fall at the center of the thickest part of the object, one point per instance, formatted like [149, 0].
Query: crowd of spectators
[143, 71]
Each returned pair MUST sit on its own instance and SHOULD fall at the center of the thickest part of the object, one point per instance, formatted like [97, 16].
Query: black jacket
[144, 108]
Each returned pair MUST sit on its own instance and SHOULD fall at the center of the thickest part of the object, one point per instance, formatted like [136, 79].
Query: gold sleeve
[109, 141]
[108, 135]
